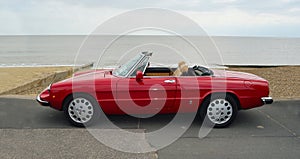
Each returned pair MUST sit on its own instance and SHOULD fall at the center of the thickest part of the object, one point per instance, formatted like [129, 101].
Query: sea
[111, 50]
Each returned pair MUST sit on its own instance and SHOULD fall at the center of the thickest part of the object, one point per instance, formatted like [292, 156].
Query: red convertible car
[138, 88]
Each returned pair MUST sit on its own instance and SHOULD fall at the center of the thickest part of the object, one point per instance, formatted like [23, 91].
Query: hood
[235, 74]
[92, 72]
[88, 76]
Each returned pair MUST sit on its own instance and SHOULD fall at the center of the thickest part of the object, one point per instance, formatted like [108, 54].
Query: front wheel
[220, 111]
[81, 110]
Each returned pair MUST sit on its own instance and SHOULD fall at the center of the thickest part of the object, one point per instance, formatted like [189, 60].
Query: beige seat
[157, 74]
[182, 68]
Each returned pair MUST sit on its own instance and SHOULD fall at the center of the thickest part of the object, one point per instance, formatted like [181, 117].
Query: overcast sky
[275, 18]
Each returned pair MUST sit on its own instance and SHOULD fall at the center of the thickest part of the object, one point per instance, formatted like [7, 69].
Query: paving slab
[59, 143]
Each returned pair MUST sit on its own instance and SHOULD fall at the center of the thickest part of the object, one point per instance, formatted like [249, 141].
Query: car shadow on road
[272, 120]
[56, 119]
[20, 113]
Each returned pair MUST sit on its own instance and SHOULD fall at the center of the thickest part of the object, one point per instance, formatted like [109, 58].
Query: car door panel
[187, 95]
[155, 93]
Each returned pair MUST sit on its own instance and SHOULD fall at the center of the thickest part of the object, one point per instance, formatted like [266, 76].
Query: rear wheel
[81, 110]
[220, 111]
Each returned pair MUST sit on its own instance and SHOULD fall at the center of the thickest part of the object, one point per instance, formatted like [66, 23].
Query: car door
[188, 94]
[150, 95]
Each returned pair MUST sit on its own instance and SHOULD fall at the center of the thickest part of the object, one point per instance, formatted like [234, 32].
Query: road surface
[28, 130]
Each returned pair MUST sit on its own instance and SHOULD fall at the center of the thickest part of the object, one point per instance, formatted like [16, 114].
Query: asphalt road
[28, 130]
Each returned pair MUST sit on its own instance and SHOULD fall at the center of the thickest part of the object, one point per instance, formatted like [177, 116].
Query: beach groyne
[36, 85]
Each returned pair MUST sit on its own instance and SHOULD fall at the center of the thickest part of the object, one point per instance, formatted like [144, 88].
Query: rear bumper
[42, 102]
[267, 100]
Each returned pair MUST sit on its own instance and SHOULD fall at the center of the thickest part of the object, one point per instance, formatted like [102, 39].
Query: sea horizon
[61, 50]
[151, 35]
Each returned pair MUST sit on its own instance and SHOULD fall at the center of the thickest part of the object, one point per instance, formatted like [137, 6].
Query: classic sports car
[138, 88]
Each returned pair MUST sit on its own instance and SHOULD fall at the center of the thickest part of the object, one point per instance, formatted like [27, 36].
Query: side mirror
[139, 76]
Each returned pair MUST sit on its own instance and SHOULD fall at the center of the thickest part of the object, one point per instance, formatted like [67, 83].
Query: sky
[262, 18]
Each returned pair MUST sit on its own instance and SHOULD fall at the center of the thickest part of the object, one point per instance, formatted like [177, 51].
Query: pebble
[260, 127]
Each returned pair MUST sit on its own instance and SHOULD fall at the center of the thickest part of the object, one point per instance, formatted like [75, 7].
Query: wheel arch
[75, 93]
[232, 94]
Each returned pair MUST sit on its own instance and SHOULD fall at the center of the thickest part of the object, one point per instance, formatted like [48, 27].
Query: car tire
[219, 110]
[81, 110]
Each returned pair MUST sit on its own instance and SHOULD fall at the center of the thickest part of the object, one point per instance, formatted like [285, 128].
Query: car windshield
[140, 67]
[124, 69]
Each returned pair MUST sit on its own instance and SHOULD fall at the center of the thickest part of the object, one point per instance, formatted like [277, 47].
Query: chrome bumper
[43, 103]
[267, 100]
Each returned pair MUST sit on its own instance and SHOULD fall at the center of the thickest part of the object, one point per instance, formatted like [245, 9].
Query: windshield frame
[142, 56]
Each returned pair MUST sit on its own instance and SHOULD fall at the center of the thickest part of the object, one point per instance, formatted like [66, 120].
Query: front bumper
[267, 100]
[42, 102]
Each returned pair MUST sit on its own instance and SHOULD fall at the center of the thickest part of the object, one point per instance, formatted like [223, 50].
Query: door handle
[169, 81]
